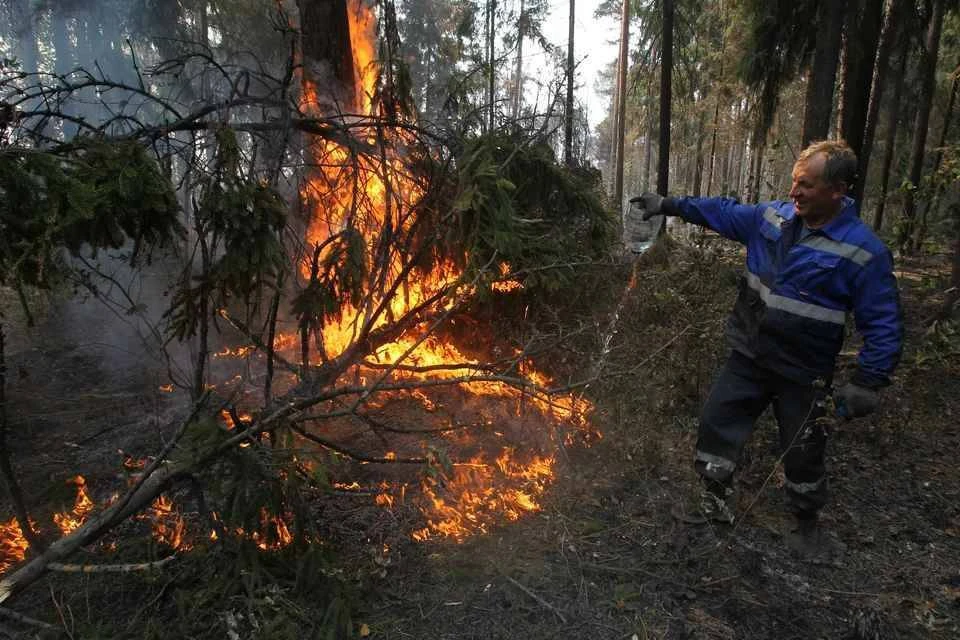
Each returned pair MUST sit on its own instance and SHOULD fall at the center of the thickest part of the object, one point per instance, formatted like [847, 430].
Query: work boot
[709, 507]
[810, 543]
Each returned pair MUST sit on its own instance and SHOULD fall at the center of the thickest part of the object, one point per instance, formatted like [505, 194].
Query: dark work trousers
[739, 395]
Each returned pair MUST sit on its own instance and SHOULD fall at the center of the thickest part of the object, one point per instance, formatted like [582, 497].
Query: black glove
[650, 203]
[854, 401]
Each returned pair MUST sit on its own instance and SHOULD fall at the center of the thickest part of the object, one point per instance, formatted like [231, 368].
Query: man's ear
[840, 190]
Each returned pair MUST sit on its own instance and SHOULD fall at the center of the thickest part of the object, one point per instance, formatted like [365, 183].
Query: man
[810, 262]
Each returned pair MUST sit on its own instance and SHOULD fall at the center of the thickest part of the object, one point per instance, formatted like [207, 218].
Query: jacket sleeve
[879, 319]
[726, 216]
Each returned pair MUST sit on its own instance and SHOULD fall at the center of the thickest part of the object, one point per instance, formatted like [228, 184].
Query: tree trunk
[27, 37]
[648, 155]
[622, 100]
[928, 71]
[568, 109]
[819, 98]
[666, 77]
[888, 41]
[8, 477]
[938, 158]
[698, 156]
[325, 43]
[492, 62]
[953, 293]
[891, 140]
[518, 80]
[863, 31]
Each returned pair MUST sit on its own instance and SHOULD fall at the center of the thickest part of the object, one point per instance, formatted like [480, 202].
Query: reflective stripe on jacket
[796, 293]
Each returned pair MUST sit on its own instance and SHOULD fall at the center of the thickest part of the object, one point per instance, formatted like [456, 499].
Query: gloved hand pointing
[650, 203]
[854, 401]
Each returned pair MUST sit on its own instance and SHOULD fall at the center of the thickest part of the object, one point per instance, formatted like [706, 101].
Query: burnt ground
[603, 558]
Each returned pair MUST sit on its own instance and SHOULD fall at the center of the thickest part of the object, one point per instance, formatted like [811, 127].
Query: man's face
[816, 200]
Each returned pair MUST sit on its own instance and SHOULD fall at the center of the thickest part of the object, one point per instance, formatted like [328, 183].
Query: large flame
[371, 192]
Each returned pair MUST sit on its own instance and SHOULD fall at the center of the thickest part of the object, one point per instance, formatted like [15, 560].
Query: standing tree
[928, 71]
[568, 106]
[819, 99]
[666, 93]
[621, 100]
[863, 21]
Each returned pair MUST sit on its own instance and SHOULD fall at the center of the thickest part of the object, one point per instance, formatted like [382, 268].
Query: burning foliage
[352, 302]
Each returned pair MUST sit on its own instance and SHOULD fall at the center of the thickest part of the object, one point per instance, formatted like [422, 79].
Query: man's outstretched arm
[726, 216]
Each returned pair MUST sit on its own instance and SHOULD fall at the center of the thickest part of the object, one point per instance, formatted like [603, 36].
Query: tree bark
[938, 158]
[953, 293]
[492, 62]
[8, 477]
[518, 80]
[622, 100]
[666, 92]
[863, 31]
[928, 71]
[698, 156]
[568, 110]
[891, 141]
[327, 55]
[888, 41]
[819, 98]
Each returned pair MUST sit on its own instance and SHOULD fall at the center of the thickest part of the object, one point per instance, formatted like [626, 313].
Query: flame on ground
[480, 493]
[13, 546]
[82, 506]
[168, 526]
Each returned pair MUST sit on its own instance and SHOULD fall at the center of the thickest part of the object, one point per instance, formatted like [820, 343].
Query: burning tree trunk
[325, 43]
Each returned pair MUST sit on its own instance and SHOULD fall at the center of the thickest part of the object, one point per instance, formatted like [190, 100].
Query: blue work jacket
[796, 293]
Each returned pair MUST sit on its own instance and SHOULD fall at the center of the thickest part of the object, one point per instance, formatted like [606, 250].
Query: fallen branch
[110, 568]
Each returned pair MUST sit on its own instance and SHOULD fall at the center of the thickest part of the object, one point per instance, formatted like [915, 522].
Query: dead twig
[543, 603]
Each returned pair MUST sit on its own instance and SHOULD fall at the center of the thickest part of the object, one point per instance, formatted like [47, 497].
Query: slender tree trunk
[568, 110]
[492, 62]
[27, 37]
[891, 140]
[888, 41]
[698, 156]
[7, 476]
[666, 92]
[203, 335]
[622, 100]
[614, 129]
[863, 30]
[938, 158]
[518, 81]
[928, 70]
[754, 187]
[648, 155]
[953, 294]
[819, 98]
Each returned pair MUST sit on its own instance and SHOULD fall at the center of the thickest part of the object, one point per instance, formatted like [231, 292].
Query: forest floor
[602, 557]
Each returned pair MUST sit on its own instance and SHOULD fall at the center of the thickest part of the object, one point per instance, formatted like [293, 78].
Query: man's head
[821, 177]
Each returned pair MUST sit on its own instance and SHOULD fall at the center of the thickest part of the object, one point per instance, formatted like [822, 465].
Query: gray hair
[840, 164]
